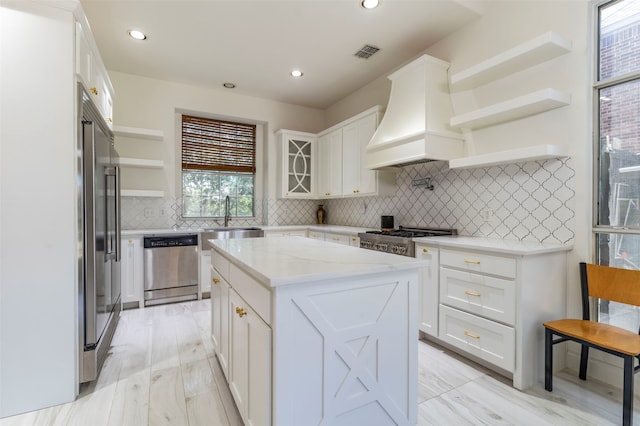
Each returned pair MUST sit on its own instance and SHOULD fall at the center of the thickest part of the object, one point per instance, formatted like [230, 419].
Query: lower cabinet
[429, 294]
[204, 278]
[250, 367]
[490, 304]
[131, 272]
[296, 233]
[220, 318]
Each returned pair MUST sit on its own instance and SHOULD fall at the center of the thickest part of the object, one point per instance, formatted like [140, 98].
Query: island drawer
[488, 340]
[487, 296]
[221, 264]
[479, 262]
[254, 293]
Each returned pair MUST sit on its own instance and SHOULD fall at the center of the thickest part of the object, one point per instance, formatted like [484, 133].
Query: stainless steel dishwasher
[170, 268]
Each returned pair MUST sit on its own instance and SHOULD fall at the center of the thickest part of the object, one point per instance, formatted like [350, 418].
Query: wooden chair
[604, 282]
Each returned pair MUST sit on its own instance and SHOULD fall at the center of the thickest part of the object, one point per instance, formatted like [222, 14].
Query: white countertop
[338, 229]
[522, 248]
[296, 260]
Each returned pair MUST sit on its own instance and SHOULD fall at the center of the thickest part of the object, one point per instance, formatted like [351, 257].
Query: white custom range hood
[415, 125]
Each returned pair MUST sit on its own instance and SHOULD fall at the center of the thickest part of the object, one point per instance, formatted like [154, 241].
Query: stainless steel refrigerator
[98, 181]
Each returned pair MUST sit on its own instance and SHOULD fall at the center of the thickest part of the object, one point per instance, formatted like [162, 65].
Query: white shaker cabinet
[298, 161]
[92, 74]
[131, 268]
[356, 178]
[493, 297]
[429, 293]
[220, 311]
[330, 164]
[250, 367]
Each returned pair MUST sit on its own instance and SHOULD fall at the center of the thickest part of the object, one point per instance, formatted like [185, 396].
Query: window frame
[258, 176]
[599, 84]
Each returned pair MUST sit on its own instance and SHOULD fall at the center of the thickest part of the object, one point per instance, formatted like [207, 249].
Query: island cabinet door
[345, 351]
[250, 362]
[220, 319]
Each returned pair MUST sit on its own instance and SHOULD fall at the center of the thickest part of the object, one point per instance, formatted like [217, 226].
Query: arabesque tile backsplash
[531, 201]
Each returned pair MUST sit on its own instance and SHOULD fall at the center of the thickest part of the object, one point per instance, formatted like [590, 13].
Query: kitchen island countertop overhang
[296, 260]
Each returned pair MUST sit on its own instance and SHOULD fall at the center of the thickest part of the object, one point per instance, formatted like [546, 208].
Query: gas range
[399, 241]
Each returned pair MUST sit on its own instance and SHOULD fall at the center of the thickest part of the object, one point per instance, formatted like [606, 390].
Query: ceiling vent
[366, 51]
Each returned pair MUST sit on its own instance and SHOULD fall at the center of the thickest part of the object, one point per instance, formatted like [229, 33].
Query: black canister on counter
[386, 223]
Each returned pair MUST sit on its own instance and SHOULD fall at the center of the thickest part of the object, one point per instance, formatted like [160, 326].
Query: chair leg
[627, 399]
[548, 359]
[584, 356]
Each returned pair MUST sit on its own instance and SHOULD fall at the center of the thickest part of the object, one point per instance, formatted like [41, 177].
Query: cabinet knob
[335, 238]
[472, 293]
[241, 312]
[94, 91]
[110, 120]
[216, 280]
[473, 262]
[327, 193]
[353, 238]
[469, 334]
[425, 250]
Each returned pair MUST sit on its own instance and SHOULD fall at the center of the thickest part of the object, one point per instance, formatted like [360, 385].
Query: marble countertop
[522, 248]
[338, 229]
[296, 260]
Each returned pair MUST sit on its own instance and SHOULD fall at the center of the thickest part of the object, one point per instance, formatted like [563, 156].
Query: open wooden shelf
[530, 104]
[135, 132]
[140, 163]
[540, 49]
[519, 155]
[141, 193]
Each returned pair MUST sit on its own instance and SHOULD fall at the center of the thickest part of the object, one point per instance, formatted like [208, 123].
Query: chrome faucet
[227, 213]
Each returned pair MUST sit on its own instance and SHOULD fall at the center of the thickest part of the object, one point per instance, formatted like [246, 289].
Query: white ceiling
[255, 43]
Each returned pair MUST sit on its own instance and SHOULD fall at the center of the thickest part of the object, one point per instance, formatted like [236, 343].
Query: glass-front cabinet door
[298, 165]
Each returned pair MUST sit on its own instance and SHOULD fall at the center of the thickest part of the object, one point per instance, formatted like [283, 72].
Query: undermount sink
[226, 233]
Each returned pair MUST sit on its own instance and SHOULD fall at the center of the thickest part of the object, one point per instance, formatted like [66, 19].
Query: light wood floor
[161, 371]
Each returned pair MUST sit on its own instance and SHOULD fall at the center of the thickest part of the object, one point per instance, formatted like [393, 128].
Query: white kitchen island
[311, 332]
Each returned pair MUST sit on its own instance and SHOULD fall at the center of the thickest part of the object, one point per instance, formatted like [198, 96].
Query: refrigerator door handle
[118, 217]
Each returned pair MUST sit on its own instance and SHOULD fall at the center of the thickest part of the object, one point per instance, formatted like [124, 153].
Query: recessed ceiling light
[296, 73]
[370, 4]
[138, 35]
[229, 85]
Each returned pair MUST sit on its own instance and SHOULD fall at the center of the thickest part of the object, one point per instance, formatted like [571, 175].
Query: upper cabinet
[92, 73]
[330, 163]
[297, 164]
[337, 161]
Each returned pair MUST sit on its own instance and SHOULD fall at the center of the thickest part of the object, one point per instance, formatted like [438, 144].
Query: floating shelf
[532, 153]
[141, 193]
[141, 163]
[533, 103]
[135, 132]
[540, 49]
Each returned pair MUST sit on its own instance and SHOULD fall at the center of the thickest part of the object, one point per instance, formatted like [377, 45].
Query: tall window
[218, 160]
[617, 91]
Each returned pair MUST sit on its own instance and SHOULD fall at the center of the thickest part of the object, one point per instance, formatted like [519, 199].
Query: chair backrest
[614, 284]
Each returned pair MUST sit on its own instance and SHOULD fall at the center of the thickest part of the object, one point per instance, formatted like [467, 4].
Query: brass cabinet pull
[327, 193]
[472, 293]
[473, 336]
[215, 280]
[94, 91]
[425, 250]
[335, 238]
[473, 262]
[353, 238]
[241, 312]
[110, 120]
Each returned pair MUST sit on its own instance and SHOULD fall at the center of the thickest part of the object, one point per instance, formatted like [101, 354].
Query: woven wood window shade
[217, 145]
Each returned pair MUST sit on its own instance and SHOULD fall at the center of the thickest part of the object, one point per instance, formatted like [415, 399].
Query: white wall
[38, 259]
[149, 103]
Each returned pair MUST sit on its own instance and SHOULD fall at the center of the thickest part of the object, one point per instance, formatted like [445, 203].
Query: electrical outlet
[486, 214]
[149, 213]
